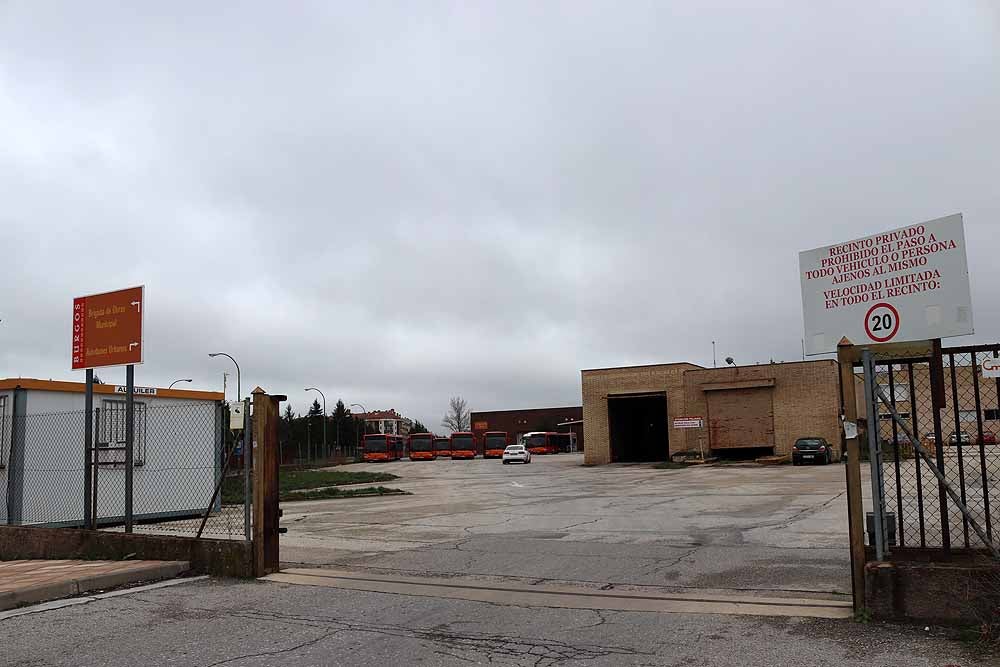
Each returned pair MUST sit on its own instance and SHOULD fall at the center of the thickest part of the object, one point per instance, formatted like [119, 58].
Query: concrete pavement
[266, 624]
[778, 530]
[29, 581]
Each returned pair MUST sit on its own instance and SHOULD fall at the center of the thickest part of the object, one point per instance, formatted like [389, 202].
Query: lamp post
[357, 444]
[239, 396]
[176, 381]
[325, 451]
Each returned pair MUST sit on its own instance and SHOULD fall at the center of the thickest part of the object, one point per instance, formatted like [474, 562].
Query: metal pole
[937, 404]
[129, 442]
[874, 455]
[247, 456]
[88, 456]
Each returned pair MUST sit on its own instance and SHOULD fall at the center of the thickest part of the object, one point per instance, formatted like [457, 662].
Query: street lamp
[176, 381]
[239, 395]
[364, 426]
[325, 451]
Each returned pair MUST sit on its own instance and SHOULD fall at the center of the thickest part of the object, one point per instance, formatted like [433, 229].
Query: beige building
[639, 413]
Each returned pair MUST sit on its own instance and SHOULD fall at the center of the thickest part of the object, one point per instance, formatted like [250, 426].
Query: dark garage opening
[637, 425]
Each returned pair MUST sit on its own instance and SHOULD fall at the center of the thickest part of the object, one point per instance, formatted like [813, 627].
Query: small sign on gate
[236, 416]
[991, 367]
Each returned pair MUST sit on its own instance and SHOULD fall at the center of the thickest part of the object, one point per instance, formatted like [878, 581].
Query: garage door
[740, 418]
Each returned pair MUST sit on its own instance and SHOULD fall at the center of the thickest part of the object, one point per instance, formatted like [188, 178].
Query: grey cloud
[401, 204]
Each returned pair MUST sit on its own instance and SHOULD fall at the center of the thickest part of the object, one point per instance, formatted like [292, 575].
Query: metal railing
[178, 473]
[934, 453]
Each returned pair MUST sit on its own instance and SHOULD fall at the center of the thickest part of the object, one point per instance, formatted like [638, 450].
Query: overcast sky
[400, 202]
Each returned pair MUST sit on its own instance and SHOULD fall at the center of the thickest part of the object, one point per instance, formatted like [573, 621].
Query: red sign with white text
[107, 329]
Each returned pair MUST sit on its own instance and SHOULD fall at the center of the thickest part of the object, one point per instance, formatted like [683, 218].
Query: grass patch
[295, 480]
[670, 465]
[334, 492]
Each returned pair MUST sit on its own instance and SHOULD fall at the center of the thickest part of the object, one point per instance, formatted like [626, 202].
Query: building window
[991, 414]
[968, 416]
[901, 391]
[4, 427]
[111, 433]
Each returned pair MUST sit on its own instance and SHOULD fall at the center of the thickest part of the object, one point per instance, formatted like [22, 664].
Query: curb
[148, 572]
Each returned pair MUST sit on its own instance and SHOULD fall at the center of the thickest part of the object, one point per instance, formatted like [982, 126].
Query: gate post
[855, 509]
[264, 458]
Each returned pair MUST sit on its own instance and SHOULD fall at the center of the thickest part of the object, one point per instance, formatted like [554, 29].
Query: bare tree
[458, 415]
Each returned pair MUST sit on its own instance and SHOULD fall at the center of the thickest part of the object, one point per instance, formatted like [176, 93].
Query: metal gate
[932, 426]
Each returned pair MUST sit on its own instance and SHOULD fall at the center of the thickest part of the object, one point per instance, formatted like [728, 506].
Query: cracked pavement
[216, 623]
[760, 531]
[773, 530]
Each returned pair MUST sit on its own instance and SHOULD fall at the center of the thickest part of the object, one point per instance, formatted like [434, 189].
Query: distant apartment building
[389, 422]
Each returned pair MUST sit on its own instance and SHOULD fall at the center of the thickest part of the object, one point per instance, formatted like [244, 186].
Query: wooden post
[855, 508]
[266, 515]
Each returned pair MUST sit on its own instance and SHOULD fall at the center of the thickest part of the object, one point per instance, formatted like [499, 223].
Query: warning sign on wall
[907, 284]
[688, 422]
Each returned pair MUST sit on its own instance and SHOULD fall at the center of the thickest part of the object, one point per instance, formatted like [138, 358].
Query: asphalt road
[773, 530]
[553, 525]
[258, 624]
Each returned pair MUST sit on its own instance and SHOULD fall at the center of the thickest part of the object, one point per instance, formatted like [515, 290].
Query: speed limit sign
[882, 322]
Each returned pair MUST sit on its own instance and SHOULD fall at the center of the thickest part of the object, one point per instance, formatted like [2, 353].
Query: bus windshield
[535, 440]
[376, 444]
[421, 444]
[462, 442]
[496, 441]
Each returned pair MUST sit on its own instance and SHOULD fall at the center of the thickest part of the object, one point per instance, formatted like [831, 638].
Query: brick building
[629, 413]
[518, 422]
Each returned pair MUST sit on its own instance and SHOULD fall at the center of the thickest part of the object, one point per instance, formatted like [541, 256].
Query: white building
[177, 451]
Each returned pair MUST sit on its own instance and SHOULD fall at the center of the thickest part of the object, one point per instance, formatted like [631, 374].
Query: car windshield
[420, 444]
[376, 444]
[515, 448]
[809, 442]
[461, 442]
[495, 441]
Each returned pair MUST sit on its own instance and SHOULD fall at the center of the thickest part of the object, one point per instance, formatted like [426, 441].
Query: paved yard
[768, 530]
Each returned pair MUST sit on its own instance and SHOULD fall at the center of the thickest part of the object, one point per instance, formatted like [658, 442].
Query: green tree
[418, 427]
[315, 409]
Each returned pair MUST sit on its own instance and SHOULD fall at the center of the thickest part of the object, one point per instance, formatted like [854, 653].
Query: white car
[516, 453]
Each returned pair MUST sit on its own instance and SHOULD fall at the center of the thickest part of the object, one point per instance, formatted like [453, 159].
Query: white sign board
[136, 391]
[991, 367]
[236, 409]
[688, 422]
[908, 284]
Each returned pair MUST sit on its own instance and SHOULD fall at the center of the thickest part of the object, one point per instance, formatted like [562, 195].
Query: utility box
[890, 528]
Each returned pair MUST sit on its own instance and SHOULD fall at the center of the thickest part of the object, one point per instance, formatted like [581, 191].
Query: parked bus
[442, 447]
[380, 447]
[540, 442]
[494, 442]
[463, 445]
[422, 447]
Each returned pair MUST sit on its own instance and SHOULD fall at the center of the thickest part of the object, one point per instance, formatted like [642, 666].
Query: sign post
[907, 284]
[107, 331]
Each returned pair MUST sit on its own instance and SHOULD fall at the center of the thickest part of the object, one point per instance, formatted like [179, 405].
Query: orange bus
[494, 442]
[540, 442]
[380, 447]
[463, 445]
[442, 447]
[422, 447]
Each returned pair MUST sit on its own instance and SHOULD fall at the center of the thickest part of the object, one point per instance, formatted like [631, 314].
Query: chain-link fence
[954, 416]
[186, 470]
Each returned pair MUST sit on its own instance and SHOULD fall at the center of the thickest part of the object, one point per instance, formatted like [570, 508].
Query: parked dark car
[811, 450]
